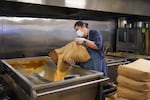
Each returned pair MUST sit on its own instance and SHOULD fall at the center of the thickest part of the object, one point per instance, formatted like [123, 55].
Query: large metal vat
[113, 63]
[33, 79]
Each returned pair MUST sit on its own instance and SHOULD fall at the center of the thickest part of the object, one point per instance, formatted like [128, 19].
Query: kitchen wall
[26, 37]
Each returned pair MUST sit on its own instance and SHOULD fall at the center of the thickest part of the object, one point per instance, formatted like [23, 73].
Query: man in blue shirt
[93, 42]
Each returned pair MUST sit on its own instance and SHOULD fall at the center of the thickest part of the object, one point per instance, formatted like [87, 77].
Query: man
[93, 42]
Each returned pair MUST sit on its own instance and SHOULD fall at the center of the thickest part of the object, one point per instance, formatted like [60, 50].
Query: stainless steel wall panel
[1, 40]
[23, 37]
[1, 35]
[31, 36]
[60, 32]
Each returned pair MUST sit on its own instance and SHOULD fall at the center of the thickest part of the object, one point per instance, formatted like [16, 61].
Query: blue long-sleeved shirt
[97, 61]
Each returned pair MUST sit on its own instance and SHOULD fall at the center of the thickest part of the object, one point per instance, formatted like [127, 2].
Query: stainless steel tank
[33, 79]
[113, 63]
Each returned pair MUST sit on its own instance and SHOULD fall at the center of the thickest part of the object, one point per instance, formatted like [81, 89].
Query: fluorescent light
[33, 1]
[75, 3]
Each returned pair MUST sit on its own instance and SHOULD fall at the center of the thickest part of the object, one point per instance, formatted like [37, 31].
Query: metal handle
[125, 36]
[71, 87]
[119, 63]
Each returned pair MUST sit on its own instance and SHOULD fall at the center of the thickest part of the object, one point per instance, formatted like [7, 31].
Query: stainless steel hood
[76, 9]
[137, 7]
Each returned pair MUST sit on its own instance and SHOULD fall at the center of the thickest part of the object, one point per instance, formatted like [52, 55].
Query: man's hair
[81, 23]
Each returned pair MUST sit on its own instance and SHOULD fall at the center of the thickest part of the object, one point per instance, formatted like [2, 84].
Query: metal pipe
[119, 63]
[72, 87]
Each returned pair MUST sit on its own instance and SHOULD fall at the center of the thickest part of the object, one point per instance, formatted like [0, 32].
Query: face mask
[80, 33]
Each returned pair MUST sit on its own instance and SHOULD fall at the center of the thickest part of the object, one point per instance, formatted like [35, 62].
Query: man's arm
[90, 44]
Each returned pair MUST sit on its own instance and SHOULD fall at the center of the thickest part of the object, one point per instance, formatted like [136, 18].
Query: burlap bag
[72, 50]
[133, 84]
[131, 94]
[119, 98]
[138, 70]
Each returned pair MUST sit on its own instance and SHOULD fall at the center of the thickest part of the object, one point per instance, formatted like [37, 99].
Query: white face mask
[80, 33]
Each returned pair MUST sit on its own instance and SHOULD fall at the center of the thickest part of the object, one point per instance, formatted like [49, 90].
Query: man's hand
[80, 40]
[70, 61]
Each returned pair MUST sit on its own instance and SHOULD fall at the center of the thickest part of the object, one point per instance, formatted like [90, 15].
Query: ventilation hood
[76, 9]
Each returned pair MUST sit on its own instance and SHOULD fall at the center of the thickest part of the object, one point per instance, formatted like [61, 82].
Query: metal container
[122, 22]
[148, 25]
[130, 40]
[113, 63]
[139, 24]
[33, 79]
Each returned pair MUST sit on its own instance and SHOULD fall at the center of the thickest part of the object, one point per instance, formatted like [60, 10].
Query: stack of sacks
[134, 81]
[72, 50]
